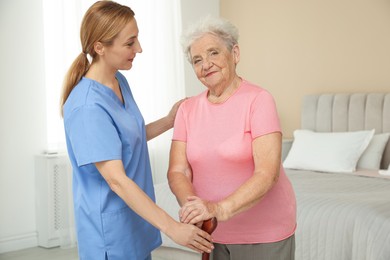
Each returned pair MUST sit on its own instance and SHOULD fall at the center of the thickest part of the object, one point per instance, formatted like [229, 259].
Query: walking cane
[208, 226]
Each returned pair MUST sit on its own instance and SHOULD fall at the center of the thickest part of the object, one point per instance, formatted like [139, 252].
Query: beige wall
[293, 48]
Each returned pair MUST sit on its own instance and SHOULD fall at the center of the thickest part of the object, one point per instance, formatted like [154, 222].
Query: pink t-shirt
[219, 148]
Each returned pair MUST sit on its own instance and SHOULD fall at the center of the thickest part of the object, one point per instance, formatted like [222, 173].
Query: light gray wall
[22, 114]
[22, 111]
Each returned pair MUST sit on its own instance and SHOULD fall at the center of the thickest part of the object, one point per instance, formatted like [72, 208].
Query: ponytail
[102, 22]
[76, 71]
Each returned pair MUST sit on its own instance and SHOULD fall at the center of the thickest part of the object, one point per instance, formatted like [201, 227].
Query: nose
[138, 49]
[206, 64]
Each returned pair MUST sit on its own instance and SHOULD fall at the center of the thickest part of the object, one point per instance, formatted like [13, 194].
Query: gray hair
[219, 27]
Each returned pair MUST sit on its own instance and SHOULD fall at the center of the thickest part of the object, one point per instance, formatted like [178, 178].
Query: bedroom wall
[294, 48]
[23, 112]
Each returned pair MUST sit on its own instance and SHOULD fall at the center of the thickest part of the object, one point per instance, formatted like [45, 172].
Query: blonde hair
[102, 22]
[217, 26]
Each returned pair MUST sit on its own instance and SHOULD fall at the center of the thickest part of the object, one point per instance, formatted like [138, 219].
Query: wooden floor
[40, 253]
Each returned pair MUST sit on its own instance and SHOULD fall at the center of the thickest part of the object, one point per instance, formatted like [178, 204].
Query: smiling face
[214, 64]
[120, 55]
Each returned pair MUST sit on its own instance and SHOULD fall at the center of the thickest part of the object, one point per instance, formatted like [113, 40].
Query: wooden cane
[209, 226]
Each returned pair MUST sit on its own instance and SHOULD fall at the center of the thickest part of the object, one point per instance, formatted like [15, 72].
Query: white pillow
[327, 152]
[372, 156]
[167, 201]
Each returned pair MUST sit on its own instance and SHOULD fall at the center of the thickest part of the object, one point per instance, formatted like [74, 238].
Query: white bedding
[342, 216]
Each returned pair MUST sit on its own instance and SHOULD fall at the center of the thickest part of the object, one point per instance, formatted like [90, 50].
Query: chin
[127, 67]
[210, 85]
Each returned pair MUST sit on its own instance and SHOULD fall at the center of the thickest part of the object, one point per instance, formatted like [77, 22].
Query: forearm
[158, 127]
[181, 186]
[180, 172]
[245, 197]
[138, 201]
[114, 174]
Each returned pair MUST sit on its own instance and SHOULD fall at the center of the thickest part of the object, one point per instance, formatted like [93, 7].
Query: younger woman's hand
[191, 236]
[172, 113]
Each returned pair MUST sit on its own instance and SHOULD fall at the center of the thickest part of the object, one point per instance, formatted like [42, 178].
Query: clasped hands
[196, 210]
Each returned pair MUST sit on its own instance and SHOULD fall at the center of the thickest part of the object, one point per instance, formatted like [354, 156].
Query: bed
[341, 214]
[344, 215]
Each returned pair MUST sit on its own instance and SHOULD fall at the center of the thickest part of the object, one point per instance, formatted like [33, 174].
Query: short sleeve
[93, 135]
[264, 117]
[179, 128]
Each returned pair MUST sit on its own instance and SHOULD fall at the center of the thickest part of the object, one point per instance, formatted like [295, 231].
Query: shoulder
[79, 93]
[251, 87]
[255, 91]
[194, 101]
[82, 95]
[90, 114]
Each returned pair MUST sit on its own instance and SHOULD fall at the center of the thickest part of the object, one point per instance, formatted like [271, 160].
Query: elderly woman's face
[213, 63]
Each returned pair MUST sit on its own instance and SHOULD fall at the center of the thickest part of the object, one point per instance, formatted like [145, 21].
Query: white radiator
[54, 204]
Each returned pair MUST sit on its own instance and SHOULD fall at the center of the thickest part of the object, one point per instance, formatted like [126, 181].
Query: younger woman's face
[121, 53]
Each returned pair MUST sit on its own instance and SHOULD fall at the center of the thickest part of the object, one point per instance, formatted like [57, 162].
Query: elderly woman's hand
[196, 210]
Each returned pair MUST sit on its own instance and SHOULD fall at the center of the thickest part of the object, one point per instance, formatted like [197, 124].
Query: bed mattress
[342, 216]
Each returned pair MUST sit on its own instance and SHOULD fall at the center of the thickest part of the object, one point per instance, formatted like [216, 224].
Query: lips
[210, 74]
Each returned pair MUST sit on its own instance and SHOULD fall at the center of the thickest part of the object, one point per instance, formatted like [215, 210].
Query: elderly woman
[225, 158]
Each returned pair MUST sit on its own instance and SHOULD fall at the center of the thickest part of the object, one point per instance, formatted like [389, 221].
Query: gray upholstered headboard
[348, 112]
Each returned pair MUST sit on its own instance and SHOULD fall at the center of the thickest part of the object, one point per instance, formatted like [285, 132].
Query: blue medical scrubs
[100, 127]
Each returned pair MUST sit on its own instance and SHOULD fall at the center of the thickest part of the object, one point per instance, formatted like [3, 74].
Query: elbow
[172, 181]
[115, 185]
[276, 173]
[171, 178]
[271, 180]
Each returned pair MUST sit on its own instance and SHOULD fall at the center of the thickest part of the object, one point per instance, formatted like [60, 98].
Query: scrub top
[99, 127]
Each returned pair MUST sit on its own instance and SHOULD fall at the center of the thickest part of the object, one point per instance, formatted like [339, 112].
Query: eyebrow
[195, 56]
[131, 37]
[207, 51]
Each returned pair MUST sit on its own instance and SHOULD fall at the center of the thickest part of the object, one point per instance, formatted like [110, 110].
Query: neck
[102, 75]
[221, 94]
[105, 77]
